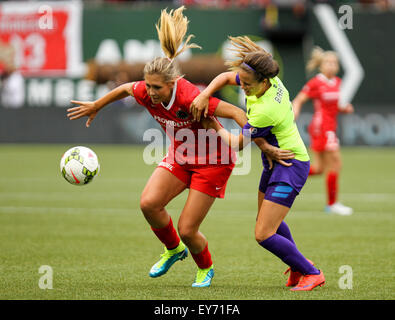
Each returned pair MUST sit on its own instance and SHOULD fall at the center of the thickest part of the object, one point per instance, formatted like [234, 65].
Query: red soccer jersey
[325, 95]
[188, 142]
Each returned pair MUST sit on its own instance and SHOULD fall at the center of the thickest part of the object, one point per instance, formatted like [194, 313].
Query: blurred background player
[324, 90]
[270, 116]
[167, 96]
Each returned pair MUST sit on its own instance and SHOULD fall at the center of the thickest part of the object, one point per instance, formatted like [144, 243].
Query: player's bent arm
[298, 103]
[235, 142]
[200, 103]
[347, 108]
[273, 153]
[220, 81]
[229, 111]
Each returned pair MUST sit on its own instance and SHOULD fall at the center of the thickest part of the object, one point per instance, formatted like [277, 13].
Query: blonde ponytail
[316, 58]
[171, 28]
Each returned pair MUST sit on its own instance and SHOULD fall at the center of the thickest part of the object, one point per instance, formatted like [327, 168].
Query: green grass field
[99, 246]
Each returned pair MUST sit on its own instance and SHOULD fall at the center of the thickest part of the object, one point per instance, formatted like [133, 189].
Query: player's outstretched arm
[91, 108]
[201, 102]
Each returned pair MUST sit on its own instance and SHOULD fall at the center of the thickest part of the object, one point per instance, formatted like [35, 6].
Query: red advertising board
[46, 36]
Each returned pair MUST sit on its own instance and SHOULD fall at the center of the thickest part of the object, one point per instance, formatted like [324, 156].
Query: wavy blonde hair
[252, 59]
[171, 28]
[316, 58]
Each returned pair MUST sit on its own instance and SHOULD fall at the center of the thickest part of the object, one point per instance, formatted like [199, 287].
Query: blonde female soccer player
[167, 96]
[324, 90]
[270, 116]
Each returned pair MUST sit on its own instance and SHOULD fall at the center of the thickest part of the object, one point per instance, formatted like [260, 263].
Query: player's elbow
[239, 116]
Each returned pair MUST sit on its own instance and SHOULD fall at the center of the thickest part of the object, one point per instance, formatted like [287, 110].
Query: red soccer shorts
[209, 179]
[325, 141]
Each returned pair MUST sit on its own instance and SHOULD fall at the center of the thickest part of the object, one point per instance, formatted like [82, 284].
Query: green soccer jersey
[271, 117]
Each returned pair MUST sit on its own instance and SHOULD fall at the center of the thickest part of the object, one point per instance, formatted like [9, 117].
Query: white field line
[79, 210]
[130, 211]
[15, 180]
[133, 211]
[56, 195]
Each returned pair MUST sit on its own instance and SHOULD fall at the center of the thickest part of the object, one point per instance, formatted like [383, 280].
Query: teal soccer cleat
[168, 258]
[203, 277]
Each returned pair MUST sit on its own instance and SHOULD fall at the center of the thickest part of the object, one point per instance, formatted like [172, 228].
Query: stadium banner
[129, 37]
[45, 36]
[57, 92]
[127, 122]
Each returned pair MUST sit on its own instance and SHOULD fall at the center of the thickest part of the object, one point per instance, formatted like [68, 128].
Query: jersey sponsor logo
[172, 123]
[328, 96]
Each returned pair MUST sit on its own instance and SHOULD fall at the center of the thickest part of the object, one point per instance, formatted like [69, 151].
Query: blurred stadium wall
[76, 50]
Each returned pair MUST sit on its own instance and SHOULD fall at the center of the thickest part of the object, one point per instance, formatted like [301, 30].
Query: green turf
[100, 247]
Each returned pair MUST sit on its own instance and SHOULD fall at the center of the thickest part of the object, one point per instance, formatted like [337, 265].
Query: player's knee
[263, 235]
[338, 165]
[318, 170]
[186, 233]
[148, 205]
[335, 167]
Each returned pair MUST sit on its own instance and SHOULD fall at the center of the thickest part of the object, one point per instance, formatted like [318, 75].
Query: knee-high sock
[288, 253]
[331, 187]
[203, 259]
[283, 230]
[167, 235]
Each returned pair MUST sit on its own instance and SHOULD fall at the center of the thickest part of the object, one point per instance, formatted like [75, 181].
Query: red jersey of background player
[325, 95]
[190, 147]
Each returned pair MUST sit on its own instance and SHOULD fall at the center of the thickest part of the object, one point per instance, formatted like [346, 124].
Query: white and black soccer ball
[79, 165]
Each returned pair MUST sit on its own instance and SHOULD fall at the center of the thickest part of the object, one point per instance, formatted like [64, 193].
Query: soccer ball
[79, 165]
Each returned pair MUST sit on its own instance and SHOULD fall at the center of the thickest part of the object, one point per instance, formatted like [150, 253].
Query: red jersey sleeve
[212, 105]
[311, 88]
[140, 93]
